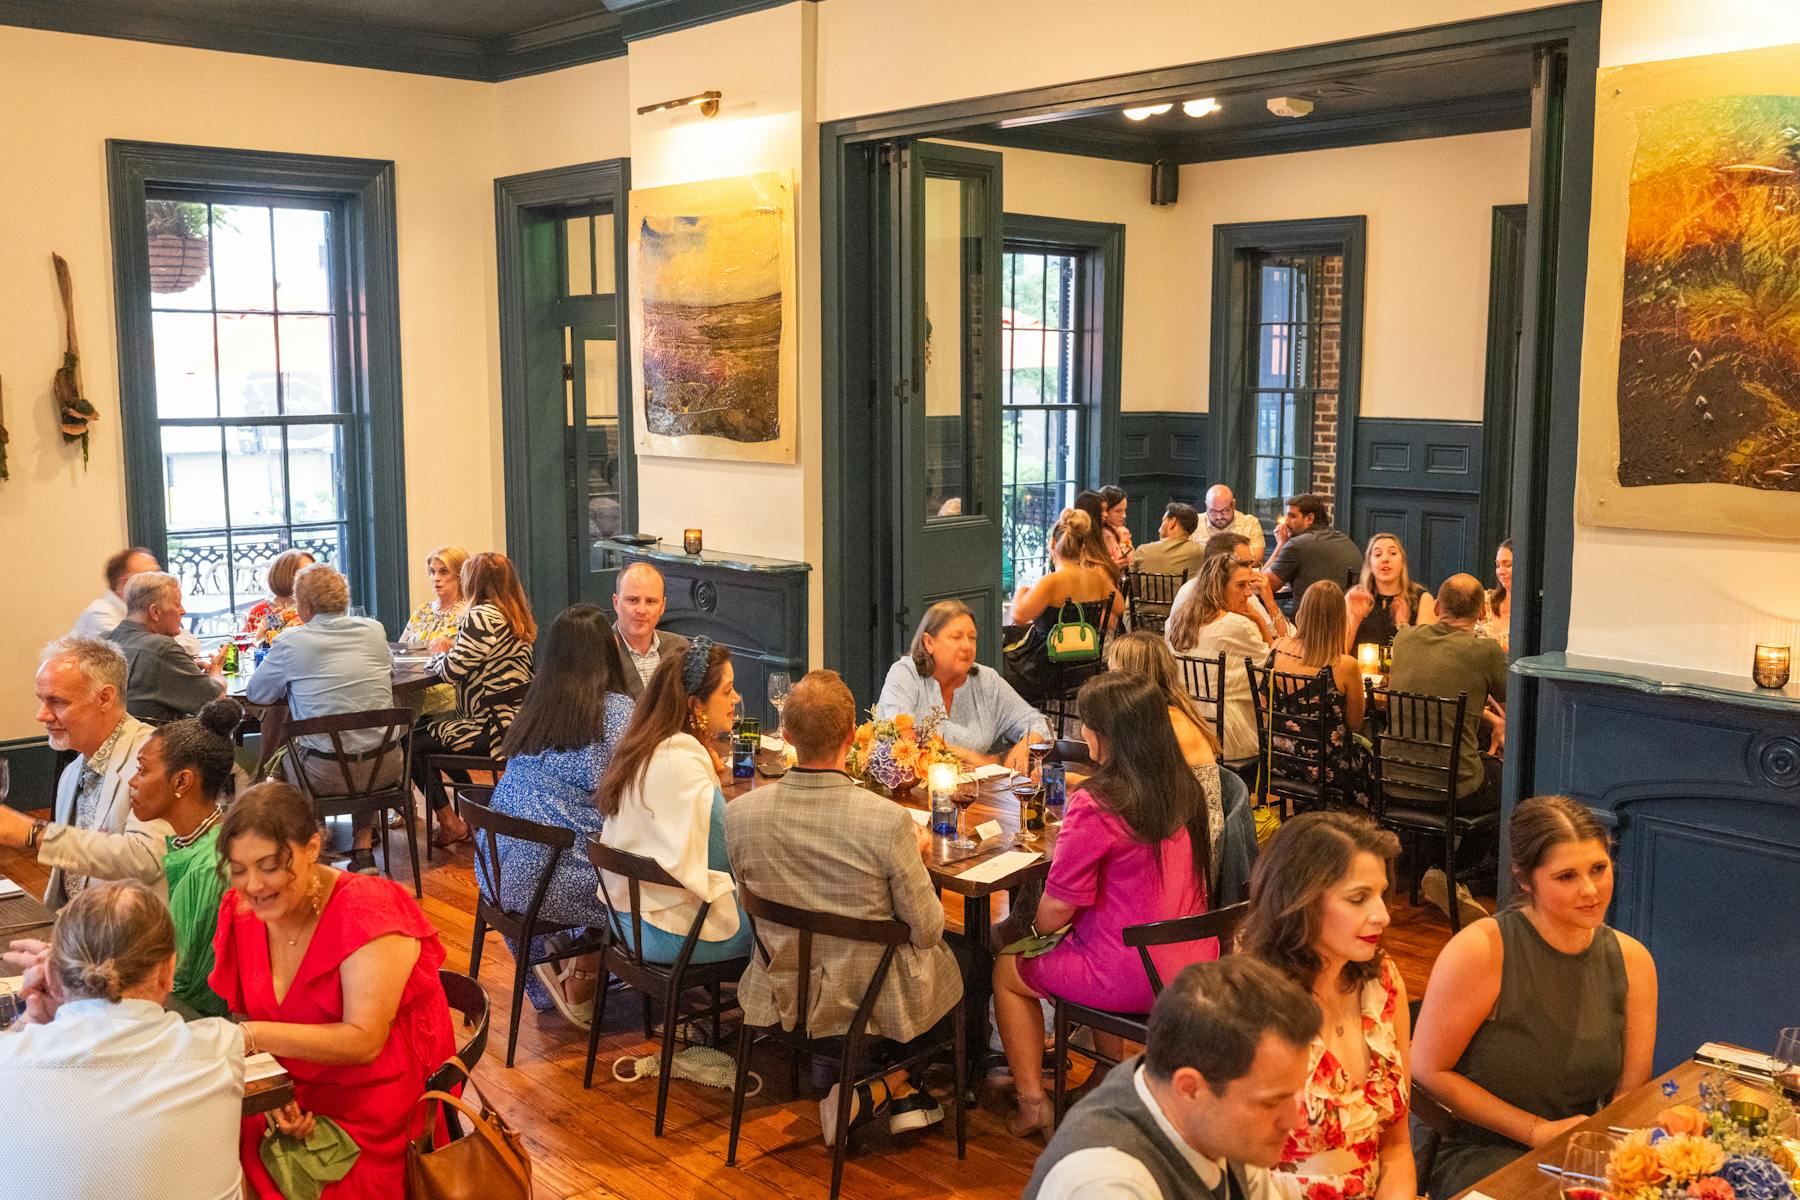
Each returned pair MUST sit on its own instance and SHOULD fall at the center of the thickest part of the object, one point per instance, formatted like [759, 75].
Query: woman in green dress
[184, 777]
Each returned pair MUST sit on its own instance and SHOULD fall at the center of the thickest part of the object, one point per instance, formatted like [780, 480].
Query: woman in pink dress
[337, 974]
[1134, 847]
[1317, 914]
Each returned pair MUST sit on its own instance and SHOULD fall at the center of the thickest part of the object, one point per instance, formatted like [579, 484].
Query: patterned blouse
[269, 617]
[429, 623]
[486, 660]
[1337, 1155]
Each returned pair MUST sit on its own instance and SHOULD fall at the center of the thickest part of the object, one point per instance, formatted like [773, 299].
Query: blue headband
[693, 667]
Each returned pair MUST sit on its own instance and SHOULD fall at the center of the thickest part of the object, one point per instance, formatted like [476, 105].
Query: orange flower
[903, 722]
[906, 754]
[865, 734]
[1682, 1118]
[1635, 1164]
[1686, 1157]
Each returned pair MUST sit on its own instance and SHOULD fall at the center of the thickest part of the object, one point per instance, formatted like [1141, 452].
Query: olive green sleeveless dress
[1554, 1046]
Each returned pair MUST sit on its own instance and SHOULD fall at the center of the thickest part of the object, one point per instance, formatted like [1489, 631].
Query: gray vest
[1113, 1114]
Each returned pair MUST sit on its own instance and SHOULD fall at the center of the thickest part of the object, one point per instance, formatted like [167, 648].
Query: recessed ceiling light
[1200, 108]
[1147, 111]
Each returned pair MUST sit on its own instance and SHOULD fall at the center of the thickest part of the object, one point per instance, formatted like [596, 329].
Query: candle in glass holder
[690, 540]
[940, 781]
[1368, 657]
[1770, 667]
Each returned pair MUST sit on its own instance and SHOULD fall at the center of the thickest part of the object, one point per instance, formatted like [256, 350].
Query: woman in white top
[102, 1091]
[1217, 615]
[660, 798]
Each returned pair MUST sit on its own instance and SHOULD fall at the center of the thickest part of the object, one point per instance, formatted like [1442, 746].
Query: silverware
[1567, 1174]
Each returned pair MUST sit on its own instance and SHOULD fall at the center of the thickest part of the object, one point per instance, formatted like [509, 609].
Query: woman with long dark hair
[574, 716]
[1135, 846]
[1113, 531]
[660, 798]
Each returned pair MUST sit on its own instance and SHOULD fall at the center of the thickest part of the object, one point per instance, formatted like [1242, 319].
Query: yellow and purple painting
[1709, 350]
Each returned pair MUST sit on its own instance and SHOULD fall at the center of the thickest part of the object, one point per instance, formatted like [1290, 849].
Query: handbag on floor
[489, 1162]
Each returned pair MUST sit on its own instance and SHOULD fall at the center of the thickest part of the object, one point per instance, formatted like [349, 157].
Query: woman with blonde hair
[1386, 599]
[276, 612]
[1076, 579]
[1316, 647]
[1215, 617]
[438, 616]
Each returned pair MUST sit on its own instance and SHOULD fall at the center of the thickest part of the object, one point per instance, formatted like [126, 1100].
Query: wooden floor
[589, 1144]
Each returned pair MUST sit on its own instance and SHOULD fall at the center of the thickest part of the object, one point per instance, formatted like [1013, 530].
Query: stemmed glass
[1787, 1051]
[5, 779]
[962, 797]
[1584, 1167]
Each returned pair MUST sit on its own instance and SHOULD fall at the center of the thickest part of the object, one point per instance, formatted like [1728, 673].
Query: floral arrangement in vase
[1717, 1149]
[894, 751]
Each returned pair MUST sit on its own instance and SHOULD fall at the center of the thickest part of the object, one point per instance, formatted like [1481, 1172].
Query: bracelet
[38, 825]
[249, 1039]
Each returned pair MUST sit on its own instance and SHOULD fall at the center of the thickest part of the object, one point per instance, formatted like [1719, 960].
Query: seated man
[162, 681]
[328, 665]
[1220, 1085]
[1176, 553]
[81, 704]
[104, 614]
[818, 842]
[1222, 516]
[638, 604]
[1262, 600]
[1308, 549]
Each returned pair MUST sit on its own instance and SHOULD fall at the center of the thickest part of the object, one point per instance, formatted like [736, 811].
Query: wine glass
[1037, 749]
[1787, 1052]
[5, 778]
[780, 683]
[962, 797]
[1584, 1167]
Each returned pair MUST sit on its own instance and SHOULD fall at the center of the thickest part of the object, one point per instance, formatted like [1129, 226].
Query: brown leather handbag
[490, 1162]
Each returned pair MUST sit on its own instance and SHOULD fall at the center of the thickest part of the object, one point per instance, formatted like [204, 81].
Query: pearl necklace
[183, 842]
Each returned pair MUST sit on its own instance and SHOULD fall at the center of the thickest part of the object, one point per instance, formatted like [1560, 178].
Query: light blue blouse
[986, 715]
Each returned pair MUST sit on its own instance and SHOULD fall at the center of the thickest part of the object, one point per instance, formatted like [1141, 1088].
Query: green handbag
[1071, 641]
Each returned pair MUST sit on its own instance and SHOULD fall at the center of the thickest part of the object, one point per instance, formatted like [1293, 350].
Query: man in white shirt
[1207, 1109]
[108, 609]
[1222, 516]
[639, 600]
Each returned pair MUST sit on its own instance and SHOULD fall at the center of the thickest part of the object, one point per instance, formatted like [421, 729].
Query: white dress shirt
[1242, 522]
[1108, 1173]
[122, 1100]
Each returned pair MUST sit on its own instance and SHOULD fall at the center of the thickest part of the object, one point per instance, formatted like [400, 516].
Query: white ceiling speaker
[1289, 106]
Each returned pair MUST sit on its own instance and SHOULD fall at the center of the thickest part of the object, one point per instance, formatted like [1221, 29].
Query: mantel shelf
[671, 552]
[1675, 682]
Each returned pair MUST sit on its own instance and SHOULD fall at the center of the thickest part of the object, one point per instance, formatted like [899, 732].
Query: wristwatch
[37, 831]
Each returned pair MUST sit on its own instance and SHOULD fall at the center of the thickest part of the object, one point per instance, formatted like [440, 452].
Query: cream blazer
[119, 846]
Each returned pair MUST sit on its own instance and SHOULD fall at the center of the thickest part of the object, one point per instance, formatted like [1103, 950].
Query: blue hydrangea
[1755, 1178]
[882, 767]
[1670, 1088]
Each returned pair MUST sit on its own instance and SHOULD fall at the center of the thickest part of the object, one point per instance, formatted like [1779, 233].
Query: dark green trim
[1348, 236]
[1710, 686]
[363, 191]
[1103, 319]
[273, 33]
[641, 19]
[538, 536]
[1506, 287]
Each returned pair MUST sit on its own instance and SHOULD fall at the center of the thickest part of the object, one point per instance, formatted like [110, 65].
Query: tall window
[1042, 405]
[1295, 307]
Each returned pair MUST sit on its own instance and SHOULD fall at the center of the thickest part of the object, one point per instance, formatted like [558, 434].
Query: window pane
[1058, 273]
[1268, 423]
[1026, 379]
[606, 273]
[193, 478]
[325, 543]
[307, 380]
[180, 258]
[202, 563]
[253, 471]
[1268, 480]
[1274, 354]
[243, 258]
[599, 379]
[947, 491]
[247, 366]
[303, 260]
[183, 346]
[581, 248]
[316, 472]
[1276, 288]
[1289, 420]
[252, 553]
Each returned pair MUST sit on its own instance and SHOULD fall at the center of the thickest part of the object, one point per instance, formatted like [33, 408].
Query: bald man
[638, 603]
[1445, 658]
[1222, 516]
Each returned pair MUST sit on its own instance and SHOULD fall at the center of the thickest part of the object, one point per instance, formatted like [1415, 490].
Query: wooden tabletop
[1522, 1180]
[408, 676]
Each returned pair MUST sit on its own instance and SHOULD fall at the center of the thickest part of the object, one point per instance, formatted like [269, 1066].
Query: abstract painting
[1697, 177]
[713, 319]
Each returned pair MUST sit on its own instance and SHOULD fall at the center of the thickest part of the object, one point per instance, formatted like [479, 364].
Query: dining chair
[375, 782]
[468, 999]
[620, 956]
[1066, 1015]
[1204, 679]
[436, 764]
[852, 1071]
[1149, 596]
[524, 926]
[1293, 737]
[1066, 678]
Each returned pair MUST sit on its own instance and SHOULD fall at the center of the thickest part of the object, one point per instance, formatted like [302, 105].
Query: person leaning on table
[163, 682]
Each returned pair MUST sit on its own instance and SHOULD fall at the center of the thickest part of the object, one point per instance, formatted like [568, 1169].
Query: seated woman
[1316, 647]
[184, 775]
[1135, 846]
[556, 753]
[1073, 579]
[98, 1084]
[1113, 503]
[336, 975]
[1496, 622]
[1535, 1018]
[1218, 616]
[488, 661]
[660, 798]
[439, 616]
[269, 616]
[1386, 600]
[984, 719]
[1317, 915]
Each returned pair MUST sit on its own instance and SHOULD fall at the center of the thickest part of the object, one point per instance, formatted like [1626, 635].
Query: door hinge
[568, 372]
[903, 391]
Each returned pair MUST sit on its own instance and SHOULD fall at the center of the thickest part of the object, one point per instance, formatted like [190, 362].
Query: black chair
[808, 925]
[1293, 734]
[469, 999]
[1204, 679]
[1417, 789]
[1149, 596]
[620, 956]
[1066, 678]
[434, 765]
[386, 782]
[487, 827]
[1435, 1120]
[1221, 923]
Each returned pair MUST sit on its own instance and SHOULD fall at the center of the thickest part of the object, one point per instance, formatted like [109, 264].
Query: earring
[698, 723]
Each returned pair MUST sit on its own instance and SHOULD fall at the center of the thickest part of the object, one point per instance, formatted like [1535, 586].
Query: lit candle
[940, 778]
[1770, 667]
[690, 540]
[1368, 657]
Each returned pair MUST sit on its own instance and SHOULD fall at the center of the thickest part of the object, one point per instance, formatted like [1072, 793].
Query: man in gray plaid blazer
[816, 841]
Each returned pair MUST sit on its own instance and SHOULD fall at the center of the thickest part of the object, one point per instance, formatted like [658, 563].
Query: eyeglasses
[1221, 512]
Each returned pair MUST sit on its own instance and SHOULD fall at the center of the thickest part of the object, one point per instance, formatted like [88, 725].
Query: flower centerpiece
[1717, 1149]
[893, 752]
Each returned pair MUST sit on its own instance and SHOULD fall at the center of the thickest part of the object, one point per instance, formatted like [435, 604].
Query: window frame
[362, 190]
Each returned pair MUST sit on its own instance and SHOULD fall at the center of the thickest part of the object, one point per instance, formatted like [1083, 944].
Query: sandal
[442, 838]
[580, 1015]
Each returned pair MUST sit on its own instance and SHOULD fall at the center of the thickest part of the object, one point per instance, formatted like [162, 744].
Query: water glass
[1787, 1059]
[1584, 1167]
[780, 683]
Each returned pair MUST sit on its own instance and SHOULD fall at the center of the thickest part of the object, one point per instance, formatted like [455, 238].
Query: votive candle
[940, 779]
[1771, 665]
[1368, 657]
[690, 540]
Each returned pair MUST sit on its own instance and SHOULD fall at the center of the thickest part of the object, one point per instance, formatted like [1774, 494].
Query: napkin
[990, 771]
[1000, 866]
[261, 1066]
[9, 888]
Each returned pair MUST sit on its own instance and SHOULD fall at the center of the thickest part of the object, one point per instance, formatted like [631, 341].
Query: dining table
[410, 679]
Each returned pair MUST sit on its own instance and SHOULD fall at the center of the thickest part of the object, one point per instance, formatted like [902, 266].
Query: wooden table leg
[977, 925]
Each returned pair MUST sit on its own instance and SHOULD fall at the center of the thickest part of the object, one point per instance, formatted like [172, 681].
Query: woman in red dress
[337, 974]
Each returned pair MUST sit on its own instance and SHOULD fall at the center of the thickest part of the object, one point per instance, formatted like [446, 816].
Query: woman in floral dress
[1316, 913]
[276, 612]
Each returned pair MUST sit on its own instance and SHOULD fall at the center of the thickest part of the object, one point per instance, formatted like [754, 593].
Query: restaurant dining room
[715, 598]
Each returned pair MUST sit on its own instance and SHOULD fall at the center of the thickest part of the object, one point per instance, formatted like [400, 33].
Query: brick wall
[1328, 302]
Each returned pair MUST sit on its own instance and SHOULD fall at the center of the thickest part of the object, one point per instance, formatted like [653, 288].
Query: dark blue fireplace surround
[1698, 776]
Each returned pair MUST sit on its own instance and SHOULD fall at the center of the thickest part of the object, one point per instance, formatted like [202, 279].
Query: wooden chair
[1435, 1121]
[890, 935]
[436, 764]
[523, 927]
[1067, 678]
[1149, 596]
[384, 792]
[620, 956]
[1204, 679]
[469, 999]
[1417, 789]
[1221, 923]
[1296, 757]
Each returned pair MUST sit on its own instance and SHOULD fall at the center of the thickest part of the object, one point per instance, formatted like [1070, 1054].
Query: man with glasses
[1222, 516]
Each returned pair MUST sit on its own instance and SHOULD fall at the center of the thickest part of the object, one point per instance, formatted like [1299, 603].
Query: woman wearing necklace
[1316, 914]
[337, 976]
[1386, 600]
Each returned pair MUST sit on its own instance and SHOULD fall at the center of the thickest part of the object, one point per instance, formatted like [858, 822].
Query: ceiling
[1440, 99]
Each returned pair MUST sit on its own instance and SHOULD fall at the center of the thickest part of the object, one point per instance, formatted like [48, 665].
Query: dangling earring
[697, 722]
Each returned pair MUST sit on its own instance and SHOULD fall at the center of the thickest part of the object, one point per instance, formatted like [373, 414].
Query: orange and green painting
[1709, 346]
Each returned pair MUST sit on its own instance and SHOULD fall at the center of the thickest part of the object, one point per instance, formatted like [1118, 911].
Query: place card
[920, 817]
[262, 1066]
[1000, 866]
[986, 830]
[9, 888]
[772, 744]
[990, 771]
[1736, 1056]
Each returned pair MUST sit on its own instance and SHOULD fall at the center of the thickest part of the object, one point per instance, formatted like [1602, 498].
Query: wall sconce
[1147, 111]
[708, 102]
[1200, 108]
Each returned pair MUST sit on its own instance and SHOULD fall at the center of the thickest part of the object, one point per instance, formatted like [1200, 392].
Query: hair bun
[221, 717]
[101, 980]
